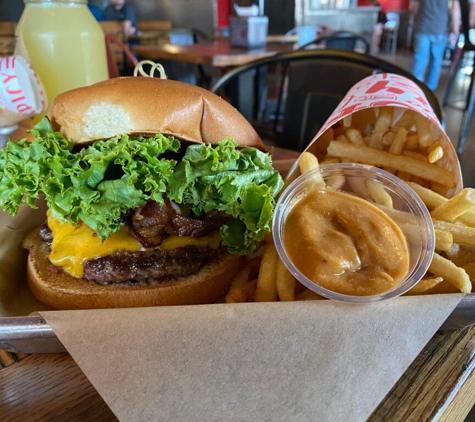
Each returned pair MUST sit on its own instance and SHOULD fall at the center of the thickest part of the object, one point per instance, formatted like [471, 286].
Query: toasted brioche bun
[61, 291]
[147, 106]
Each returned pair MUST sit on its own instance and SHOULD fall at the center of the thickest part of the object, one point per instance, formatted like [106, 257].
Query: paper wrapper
[389, 90]
[21, 92]
[292, 361]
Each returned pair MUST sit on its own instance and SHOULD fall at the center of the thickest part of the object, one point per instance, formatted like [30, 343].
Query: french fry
[384, 119]
[412, 141]
[236, 293]
[435, 152]
[433, 199]
[460, 256]
[424, 132]
[358, 186]
[406, 120]
[439, 188]
[453, 208]
[399, 142]
[420, 181]
[388, 138]
[443, 240]
[442, 267]
[381, 126]
[307, 294]
[424, 285]
[285, 282]
[329, 160]
[368, 155]
[379, 194]
[308, 162]
[470, 270]
[266, 289]
[354, 136]
[403, 175]
[462, 234]
[342, 138]
[240, 290]
[336, 182]
[415, 155]
[430, 198]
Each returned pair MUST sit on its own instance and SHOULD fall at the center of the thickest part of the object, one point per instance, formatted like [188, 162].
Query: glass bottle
[64, 43]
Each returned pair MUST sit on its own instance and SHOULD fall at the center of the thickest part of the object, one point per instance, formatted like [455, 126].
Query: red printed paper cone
[400, 98]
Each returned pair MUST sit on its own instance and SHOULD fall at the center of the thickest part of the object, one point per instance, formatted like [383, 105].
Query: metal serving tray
[31, 334]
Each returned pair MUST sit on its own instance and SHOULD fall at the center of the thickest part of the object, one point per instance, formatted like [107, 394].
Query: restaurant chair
[390, 33]
[116, 30]
[464, 53]
[315, 82]
[112, 45]
[7, 38]
[340, 40]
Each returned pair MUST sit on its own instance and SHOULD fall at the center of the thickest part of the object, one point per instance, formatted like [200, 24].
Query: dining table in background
[218, 54]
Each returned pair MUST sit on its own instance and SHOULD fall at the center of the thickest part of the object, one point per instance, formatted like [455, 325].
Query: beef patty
[150, 224]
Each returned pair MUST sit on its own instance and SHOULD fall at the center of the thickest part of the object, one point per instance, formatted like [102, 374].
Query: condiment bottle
[64, 43]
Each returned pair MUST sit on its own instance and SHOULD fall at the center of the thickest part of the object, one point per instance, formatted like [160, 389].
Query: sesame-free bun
[61, 291]
[146, 106]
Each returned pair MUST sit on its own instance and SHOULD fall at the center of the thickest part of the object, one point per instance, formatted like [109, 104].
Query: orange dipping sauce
[345, 244]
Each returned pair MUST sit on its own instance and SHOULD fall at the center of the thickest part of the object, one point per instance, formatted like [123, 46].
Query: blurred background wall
[201, 14]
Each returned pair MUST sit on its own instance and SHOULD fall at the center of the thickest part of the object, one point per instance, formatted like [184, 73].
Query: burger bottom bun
[62, 291]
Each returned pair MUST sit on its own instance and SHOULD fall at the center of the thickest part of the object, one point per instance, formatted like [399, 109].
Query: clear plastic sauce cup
[407, 211]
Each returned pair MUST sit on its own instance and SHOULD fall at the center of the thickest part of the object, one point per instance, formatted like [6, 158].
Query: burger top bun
[146, 106]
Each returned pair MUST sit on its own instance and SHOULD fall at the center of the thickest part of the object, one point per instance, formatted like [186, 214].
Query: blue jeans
[429, 52]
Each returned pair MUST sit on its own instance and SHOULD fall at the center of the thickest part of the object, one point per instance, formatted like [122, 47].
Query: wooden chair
[7, 38]
[113, 44]
[116, 30]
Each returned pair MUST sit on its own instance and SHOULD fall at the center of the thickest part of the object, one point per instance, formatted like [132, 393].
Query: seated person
[120, 10]
[97, 12]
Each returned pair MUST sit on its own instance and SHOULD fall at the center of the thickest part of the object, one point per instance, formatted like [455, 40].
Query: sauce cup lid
[408, 212]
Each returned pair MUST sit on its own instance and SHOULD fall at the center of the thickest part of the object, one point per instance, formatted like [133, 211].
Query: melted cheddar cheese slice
[73, 246]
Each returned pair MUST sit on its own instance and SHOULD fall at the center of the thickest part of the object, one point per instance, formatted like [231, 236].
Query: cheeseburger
[155, 189]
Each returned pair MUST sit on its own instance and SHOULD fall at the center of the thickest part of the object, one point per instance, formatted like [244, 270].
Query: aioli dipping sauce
[345, 244]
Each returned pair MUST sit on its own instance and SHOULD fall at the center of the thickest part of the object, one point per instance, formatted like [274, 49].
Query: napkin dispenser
[248, 31]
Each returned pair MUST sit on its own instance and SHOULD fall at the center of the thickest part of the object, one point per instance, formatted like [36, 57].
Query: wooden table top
[217, 54]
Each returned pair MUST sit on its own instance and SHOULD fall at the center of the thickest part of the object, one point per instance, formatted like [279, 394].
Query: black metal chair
[462, 53]
[313, 84]
[340, 40]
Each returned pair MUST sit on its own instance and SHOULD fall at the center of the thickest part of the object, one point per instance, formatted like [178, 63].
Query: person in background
[97, 12]
[120, 10]
[378, 28]
[431, 26]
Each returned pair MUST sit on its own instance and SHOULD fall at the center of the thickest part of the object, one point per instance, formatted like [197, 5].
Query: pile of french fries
[405, 144]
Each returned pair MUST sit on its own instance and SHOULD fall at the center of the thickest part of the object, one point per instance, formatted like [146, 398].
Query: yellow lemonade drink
[64, 44]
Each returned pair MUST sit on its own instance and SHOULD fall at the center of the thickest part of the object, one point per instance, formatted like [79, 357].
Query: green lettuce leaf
[99, 183]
